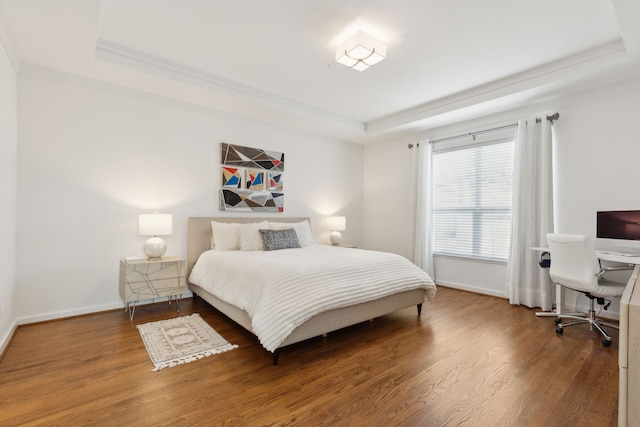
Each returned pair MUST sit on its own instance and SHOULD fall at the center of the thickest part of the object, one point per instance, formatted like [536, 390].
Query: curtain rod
[551, 118]
[473, 134]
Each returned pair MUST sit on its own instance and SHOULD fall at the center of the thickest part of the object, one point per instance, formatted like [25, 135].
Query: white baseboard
[6, 340]
[582, 306]
[87, 310]
[473, 289]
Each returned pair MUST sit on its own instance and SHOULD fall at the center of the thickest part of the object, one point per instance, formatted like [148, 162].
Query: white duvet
[282, 289]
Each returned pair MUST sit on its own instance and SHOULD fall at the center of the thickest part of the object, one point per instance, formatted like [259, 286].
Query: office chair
[575, 265]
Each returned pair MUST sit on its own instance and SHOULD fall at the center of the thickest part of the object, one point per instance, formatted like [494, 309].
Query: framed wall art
[252, 179]
[231, 177]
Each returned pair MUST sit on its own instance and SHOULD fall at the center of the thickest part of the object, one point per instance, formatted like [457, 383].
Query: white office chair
[575, 265]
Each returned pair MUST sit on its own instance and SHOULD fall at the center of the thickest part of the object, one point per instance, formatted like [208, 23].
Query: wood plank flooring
[470, 360]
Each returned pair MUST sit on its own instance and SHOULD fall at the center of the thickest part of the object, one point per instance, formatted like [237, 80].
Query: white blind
[472, 196]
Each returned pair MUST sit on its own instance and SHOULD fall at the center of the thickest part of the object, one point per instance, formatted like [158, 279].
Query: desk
[621, 257]
[609, 256]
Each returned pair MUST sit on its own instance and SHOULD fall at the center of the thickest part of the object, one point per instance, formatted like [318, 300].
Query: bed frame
[199, 240]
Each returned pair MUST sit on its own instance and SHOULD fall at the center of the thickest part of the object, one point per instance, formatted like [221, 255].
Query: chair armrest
[604, 270]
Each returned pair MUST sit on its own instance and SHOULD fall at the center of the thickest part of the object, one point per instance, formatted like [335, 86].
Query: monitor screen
[618, 225]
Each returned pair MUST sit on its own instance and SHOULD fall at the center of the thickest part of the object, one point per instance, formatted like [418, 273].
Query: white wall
[8, 188]
[597, 161]
[596, 155]
[92, 156]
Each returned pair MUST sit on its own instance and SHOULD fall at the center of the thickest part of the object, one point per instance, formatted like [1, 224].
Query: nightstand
[142, 279]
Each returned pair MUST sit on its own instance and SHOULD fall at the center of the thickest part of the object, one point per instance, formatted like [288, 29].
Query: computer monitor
[624, 225]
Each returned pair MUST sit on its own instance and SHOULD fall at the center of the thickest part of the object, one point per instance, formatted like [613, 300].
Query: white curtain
[527, 282]
[421, 230]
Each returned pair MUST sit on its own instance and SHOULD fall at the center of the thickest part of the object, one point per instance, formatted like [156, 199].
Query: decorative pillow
[279, 239]
[250, 238]
[225, 236]
[302, 228]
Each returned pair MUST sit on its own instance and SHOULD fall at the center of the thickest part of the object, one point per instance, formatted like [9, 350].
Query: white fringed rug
[181, 340]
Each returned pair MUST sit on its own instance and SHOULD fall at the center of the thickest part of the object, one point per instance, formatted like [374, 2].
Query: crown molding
[118, 88]
[607, 54]
[7, 42]
[511, 115]
[127, 57]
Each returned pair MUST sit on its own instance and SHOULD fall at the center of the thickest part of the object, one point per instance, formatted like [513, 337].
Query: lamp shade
[155, 224]
[337, 223]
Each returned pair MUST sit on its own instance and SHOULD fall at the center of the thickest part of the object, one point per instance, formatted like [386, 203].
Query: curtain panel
[532, 218]
[421, 252]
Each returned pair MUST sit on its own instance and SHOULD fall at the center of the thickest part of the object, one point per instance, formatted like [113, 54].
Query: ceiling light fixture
[360, 52]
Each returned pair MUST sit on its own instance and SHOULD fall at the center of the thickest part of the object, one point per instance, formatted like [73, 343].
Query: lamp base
[335, 238]
[155, 247]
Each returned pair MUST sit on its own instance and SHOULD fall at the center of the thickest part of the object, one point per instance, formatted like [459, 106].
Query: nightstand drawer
[147, 279]
[140, 272]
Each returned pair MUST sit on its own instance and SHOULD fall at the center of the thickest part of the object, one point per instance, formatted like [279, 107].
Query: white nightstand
[142, 279]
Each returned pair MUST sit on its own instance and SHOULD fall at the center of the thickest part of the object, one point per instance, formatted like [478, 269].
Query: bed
[345, 286]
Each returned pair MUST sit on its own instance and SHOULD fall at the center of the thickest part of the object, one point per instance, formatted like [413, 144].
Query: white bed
[353, 287]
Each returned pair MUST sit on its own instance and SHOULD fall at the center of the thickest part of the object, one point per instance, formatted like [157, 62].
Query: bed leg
[276, 355]
[419, 309]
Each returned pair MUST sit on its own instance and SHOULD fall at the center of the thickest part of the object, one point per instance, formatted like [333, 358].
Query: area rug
[181, 340]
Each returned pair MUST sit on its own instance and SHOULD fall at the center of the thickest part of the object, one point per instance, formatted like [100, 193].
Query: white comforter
[282, 289]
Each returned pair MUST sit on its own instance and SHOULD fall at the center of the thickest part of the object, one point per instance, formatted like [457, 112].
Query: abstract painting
[251, 201]
[275, 181]
[231, 178]
[237, 155]
[254, 179]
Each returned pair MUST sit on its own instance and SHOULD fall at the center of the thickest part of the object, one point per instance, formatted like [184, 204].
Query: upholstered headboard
[199, 233]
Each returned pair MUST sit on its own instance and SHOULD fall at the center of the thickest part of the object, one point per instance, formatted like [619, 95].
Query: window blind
[472, 195]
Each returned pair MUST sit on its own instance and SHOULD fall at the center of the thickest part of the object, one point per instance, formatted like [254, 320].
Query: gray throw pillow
[279, 239]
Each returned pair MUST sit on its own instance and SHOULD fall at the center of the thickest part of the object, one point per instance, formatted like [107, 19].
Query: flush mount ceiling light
[360, 51]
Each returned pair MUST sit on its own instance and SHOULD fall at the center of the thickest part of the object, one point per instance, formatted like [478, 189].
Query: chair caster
[559, 331]
[558, 321]
[606, 343]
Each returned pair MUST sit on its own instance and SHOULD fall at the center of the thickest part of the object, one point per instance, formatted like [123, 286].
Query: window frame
[504, 135]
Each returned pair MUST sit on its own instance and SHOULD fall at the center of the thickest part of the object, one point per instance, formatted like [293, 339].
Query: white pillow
[250, 237]
[302, 228]
[225, 236]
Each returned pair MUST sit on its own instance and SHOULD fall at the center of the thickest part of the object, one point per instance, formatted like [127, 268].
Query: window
[472, 189]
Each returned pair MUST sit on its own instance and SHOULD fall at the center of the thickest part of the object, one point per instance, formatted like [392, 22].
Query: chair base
[594, 323]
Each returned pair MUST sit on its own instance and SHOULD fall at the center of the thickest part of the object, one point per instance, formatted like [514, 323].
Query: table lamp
[155, 225]
[336, 225]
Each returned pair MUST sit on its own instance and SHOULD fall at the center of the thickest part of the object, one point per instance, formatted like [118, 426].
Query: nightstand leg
[131, 308]
[177, 298]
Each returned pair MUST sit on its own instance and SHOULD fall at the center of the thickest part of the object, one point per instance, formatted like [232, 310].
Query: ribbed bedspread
[282, 289]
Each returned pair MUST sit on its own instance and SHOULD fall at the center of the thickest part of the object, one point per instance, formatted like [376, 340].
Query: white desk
[609, 256]
[621, 257]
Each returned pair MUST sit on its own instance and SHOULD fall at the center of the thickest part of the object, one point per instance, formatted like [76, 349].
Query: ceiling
[274, 60]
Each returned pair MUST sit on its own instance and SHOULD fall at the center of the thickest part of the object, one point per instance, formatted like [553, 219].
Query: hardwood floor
[470, 360]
